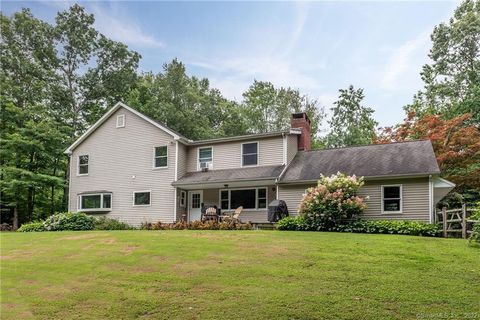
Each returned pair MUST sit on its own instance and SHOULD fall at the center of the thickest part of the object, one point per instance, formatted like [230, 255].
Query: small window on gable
[121, 121]
[160, 157]
[250, 154]
[83, 165]
[392, 199]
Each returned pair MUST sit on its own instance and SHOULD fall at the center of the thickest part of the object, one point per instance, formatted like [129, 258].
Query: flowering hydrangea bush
[333, 201]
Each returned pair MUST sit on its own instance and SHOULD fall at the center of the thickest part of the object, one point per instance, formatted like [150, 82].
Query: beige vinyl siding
[292, 195]
[415, 195]
[182, 160]
[292, 147]
[415, 199]
[121, 161]
[227, 155]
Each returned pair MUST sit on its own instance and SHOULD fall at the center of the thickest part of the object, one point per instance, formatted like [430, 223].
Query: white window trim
[258, 154]
[141, 205]
[183, 196]
[401, 198]
[121, 116]
[78, 165]
[153, 162]
[198, 156]
[79, 202]
[246, 188]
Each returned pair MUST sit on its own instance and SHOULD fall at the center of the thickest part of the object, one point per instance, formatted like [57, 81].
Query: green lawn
[236, 274]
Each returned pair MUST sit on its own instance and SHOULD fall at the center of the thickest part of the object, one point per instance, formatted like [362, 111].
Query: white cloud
[402, 60]
[122, 28]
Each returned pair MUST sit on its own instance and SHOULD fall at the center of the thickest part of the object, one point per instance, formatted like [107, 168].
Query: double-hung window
[160, 158]
[83, 165]
[255, 198]
[392, 199]
[250, 154]
[95, 202]
[205, 157]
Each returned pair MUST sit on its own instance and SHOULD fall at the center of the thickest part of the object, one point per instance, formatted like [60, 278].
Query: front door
[195, 205]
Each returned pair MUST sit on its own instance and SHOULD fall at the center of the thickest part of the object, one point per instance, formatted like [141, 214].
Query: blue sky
[317, 47]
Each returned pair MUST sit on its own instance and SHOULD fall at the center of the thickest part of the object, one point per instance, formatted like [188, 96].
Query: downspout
[175, 179]
[430, 199]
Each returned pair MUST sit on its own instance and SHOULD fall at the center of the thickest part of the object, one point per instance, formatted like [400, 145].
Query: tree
[55, 81]
[452, 79]
[456, 143]
[351, 123]
[186, 104]
[269, 109]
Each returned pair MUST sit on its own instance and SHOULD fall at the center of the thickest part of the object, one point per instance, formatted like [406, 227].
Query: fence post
[464, 222]
[444, 215]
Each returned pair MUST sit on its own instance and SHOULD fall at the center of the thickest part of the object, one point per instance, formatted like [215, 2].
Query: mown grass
[236, 274]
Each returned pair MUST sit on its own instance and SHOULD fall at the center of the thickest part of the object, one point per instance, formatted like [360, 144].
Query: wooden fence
[456, 221]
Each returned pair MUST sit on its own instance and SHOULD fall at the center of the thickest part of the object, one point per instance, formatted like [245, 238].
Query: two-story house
[132, 168]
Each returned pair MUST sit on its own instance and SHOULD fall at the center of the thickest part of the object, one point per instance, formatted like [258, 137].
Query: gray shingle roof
[403, 158]
[252, 173]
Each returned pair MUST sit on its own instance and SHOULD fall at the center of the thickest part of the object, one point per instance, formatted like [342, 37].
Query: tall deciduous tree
[269, 109]
[452, 79]
[186, 104]
[55, 80]
[351, 122]
[456, 143]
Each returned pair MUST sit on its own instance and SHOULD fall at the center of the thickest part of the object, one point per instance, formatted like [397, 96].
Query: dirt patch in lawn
[81, 237]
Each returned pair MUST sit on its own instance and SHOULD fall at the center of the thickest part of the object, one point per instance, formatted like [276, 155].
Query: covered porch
[253, 191]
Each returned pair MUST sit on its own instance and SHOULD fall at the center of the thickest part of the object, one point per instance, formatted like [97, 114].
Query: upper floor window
[121, 121]
[250, 154]
[160, 157]
[392, 199]
[95, 202]
[205, 157]
[83, 164]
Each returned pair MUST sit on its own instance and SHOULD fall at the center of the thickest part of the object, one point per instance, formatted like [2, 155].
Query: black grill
[277, 209]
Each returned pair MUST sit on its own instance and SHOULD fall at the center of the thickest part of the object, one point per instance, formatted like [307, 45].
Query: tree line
[58, 79]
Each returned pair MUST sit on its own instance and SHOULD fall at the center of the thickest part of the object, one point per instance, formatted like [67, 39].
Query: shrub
[197, 225]
[69, 221]
[412, 228]
[5, 227]
[332, 202]
[104, 223]
[297, 223]
[474, 239]
[35, 226]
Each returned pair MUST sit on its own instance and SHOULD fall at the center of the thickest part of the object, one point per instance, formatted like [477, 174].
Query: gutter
[413, 175]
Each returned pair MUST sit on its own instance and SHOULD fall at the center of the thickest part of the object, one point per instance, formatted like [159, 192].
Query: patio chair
[232, 216]
[210, 214]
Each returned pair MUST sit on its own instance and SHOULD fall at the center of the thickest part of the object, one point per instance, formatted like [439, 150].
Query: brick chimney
[300, 121]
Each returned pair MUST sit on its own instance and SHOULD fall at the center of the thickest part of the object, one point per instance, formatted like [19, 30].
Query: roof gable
[380, 160]
[117, 106]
